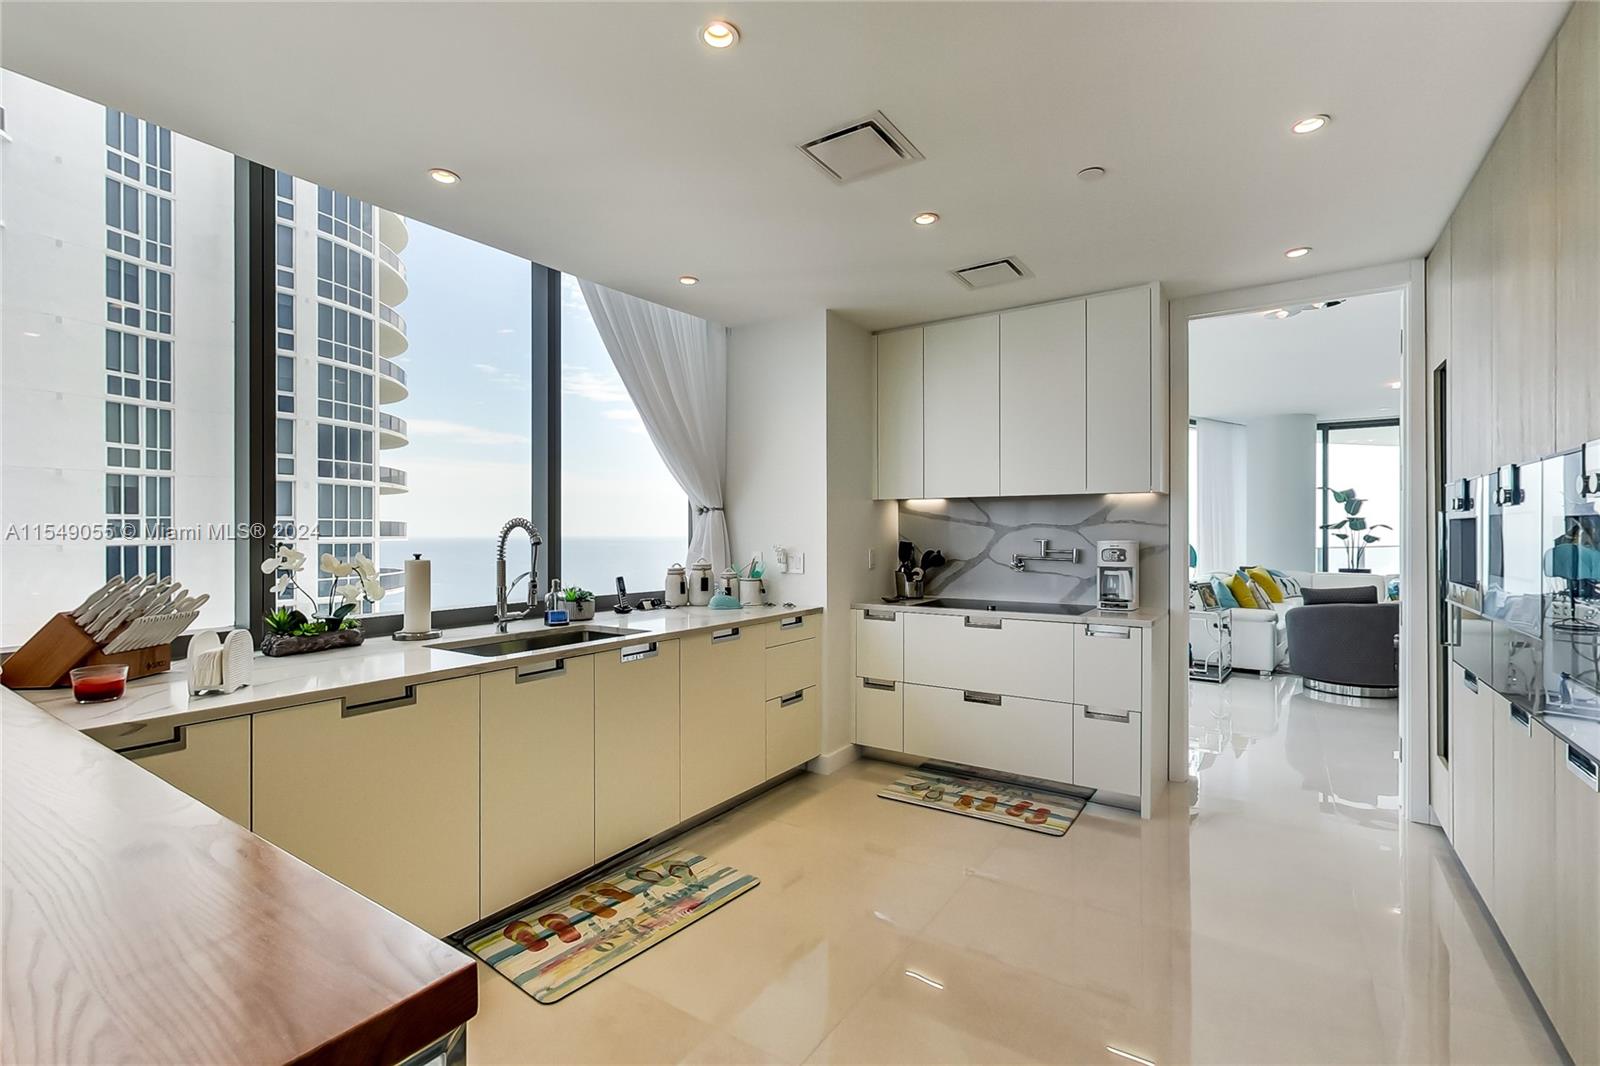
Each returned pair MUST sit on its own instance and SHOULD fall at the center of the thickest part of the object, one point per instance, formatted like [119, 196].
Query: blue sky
[467, 318]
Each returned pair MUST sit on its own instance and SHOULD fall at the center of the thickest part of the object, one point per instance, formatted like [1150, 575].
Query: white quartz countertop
[163, 701]
[1581, 733]
[1144, 618]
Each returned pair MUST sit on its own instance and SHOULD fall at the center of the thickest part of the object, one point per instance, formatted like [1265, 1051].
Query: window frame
[1324, 538]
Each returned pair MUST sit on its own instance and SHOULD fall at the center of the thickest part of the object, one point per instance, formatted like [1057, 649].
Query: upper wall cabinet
[1053, 399]
[961, 407]
[900, 414]
[1577, 186]
[1471, 319]
[1043, 386]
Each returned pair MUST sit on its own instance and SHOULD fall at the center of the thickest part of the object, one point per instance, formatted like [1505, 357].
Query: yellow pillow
[1242, 591]
[1268, 583]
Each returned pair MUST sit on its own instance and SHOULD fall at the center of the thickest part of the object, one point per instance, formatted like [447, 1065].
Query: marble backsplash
[978, 538]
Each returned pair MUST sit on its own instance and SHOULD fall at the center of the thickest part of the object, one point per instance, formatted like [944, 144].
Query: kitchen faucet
[501, 615]
[1046, 554]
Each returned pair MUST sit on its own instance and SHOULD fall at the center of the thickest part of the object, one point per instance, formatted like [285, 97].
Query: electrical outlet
[797, 563]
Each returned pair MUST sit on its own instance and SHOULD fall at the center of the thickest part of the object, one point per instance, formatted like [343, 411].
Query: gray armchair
[1346, 648]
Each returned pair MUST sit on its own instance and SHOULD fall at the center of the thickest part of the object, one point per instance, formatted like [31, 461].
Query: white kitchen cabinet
[1467, 376]
[794, 730]
[792, 667]
[636, 744]
[209, 762]
[1107, 749]
[1472, 710]
[1120, 444]
[724, 731]
[795, 627]
[1043, 391]
[1524, 843]
[1109, 666]
[1010, 734]
[537, 781]
[1574, 895]
[880, 645]
[899, 355]
[961, 408]
[880, 713]
[1577, 333]
[380, 794]
[987, 653]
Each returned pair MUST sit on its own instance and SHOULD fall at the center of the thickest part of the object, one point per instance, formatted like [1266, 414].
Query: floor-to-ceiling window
[1363, 456]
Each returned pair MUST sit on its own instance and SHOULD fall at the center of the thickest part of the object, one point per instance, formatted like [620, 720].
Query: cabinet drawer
[789, 630]
[791, 667]
[1110, 666]
[880, 645]
[1010, 734]
[880, 712]
[209, 762]
[724, 730]
[794, 730]
[1577, 891]
[1014, 657]
[1106, 748]
[636, 744]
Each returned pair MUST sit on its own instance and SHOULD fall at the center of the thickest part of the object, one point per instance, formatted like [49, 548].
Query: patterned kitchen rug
[563, 942]
[1033, 809]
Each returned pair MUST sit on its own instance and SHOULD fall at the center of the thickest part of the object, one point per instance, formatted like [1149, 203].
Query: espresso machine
[1118, 564]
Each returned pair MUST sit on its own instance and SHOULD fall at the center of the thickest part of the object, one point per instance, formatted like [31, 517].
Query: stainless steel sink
[540, 640]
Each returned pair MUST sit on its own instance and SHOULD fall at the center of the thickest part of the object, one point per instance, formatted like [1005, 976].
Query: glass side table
[1210, 646]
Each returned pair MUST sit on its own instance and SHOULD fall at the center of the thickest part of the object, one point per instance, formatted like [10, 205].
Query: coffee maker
[1118, 564]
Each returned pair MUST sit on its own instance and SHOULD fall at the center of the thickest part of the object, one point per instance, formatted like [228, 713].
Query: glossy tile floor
[1277, 910]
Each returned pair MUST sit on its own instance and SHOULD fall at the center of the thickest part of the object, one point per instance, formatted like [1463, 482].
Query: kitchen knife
[94, 597]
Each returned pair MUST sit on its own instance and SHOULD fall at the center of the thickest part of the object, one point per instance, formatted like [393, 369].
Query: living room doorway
[1306, 491]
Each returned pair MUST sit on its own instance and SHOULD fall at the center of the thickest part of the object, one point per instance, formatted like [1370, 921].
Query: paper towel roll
[419, 595]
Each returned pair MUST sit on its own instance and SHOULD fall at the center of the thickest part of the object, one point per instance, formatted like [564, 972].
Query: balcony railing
[391, 259]
[391, 331]
[391, 479]
[390, 317]
[392, 285]
[392, 386]
[392, 431]
[391, 528]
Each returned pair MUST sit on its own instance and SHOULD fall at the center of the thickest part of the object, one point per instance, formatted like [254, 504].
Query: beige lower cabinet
[537, 786]
[1017, 656]
[1109, 666]
[380, 794]
[209, 762]
[636, 744]
[1011, 734]
[880, 713]
[1575, 1006]
[794, 730]
[1107, 749]
[793, 666]
[880, 644]
[1524, 842]
[724, 723]
[1473, 706]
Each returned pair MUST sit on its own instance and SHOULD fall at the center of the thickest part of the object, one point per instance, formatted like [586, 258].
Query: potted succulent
[291, 631]
[580, 604]
[1353, 530]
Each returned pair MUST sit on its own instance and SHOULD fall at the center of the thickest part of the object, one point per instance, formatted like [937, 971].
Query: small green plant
[1352, 530]
[578, 595]
[285, 621]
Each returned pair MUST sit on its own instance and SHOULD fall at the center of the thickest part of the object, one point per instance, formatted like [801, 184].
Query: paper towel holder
[419, 634]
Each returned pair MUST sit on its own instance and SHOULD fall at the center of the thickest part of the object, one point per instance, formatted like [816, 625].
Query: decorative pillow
[1263, 577]
[1202, 596]
[1289, 585]
[1224, 593]
[1239, 584]
[1394, 588]
[1263, 599]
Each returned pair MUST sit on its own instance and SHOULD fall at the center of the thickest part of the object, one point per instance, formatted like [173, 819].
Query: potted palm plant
[1353, 530]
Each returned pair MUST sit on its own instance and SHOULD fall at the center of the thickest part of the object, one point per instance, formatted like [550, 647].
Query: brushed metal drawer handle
[971, 623]
[1108, 632]
[1520, 716]
[878, 616]
[541, 670]
[881, 686]
[1583, 768]
[406, 698]
[720, 635]
[988, 699]
[790, 623]
[792, 698]
[1123, 717]
[1469, 679]
[639, 651]
[177, 742]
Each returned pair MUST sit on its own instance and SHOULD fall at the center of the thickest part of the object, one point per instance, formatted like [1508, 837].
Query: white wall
[1280, 470]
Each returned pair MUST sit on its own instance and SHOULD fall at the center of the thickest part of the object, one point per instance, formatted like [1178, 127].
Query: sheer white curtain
[1220, 495]
[675, 368]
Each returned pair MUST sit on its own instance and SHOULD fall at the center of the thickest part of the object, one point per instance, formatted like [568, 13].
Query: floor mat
[1026, 808]
[563, 942]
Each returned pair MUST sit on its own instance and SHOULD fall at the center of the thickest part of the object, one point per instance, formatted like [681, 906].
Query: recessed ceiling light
[1297, 253]
[720, 33]
[1276, 312]
[1394, 384]
[443, 176]
[927, 218]
[924, 978]
[29, 333]
[1309, 124]
[688, 279]
[1092, 173]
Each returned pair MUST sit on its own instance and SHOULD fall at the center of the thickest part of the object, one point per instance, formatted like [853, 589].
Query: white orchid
[363, 566]
[374, 588]
[280, 584]
[349, 592]
[331, 564]
[285, 558]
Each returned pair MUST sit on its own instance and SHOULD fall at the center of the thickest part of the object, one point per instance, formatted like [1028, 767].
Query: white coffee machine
[1118, 565]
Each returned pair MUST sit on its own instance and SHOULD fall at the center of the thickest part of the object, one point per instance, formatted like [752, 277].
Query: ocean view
[463, 567]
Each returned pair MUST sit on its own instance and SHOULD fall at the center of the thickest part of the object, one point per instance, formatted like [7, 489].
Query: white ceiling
[605, 139]
[1333, 363]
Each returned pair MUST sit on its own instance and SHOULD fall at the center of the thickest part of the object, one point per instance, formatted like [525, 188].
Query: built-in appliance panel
[1471, 642]
[1463, 543]
[1514, 591]
[1571, 567]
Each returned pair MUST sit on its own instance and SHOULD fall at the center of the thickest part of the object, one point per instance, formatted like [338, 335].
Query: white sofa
[1260, 638]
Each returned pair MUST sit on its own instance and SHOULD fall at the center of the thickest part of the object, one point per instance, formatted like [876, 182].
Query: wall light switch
[872, 558]
[797, 563]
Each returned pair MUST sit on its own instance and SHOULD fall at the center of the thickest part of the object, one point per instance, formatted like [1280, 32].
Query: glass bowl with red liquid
[99, 684]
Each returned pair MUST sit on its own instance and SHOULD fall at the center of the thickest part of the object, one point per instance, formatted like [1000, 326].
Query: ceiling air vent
[860, 149]
[987, 275]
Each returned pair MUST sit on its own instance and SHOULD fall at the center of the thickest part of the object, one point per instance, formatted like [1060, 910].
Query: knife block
[48, 657]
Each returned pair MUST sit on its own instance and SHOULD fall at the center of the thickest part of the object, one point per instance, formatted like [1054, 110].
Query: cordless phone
[623, 606]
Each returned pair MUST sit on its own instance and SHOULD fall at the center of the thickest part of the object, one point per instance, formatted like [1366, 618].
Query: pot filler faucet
[501, 591]
[1046, 554]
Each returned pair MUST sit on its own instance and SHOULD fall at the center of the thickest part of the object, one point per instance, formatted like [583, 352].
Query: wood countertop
[141, 926]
